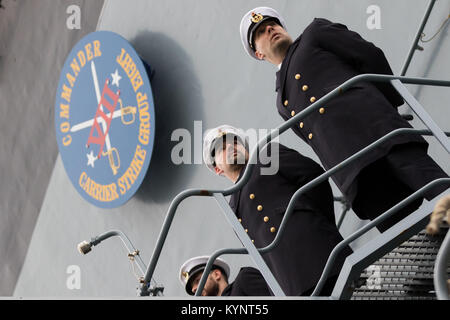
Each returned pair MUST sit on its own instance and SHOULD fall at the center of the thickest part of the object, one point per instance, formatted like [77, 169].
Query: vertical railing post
[416, 39]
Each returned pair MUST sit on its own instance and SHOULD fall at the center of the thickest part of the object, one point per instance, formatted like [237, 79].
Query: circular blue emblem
[105, 119]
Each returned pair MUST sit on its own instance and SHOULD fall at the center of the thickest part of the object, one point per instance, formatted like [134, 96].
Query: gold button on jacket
[310, 136]
[286, 103]
[313, 99]
[272, 193]
[298, 76]
[259, 208]
[305, 87]
[252, 196]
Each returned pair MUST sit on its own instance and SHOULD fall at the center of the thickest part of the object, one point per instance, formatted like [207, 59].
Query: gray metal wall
[202, 73]
[34, 42]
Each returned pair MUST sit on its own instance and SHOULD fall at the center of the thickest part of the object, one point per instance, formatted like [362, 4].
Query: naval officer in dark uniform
[324, 56]
[248, 282]
[310, 235]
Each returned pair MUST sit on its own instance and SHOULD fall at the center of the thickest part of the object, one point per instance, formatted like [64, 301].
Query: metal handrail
[440, 270]
[414, 46]
[310, 185]
[253, 155]
[86, 247]
[360, 231]
[341, 245]
[126, 242]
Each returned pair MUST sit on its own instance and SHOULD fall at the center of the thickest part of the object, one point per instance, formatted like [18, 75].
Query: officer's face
[211, 287]
[271, 40]
[230, 154]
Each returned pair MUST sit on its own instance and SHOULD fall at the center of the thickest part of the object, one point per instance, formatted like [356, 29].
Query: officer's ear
[259, 55]
[217, 274]
[218, 171]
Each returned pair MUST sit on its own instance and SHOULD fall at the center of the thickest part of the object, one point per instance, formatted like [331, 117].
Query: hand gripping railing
[435, 130]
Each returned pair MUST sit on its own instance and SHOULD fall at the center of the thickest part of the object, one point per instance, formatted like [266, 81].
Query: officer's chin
[281, 44]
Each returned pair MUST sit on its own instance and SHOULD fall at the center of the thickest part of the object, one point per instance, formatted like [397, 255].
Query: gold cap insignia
[185, 275]
[256, 17]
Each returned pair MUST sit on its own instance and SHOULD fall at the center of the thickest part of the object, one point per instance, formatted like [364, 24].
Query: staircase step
[400, 268]
[421, 245]
[409, 256]
[405, 273]
[417, 251]
[394, 276]
[396, 262]
[390, 295]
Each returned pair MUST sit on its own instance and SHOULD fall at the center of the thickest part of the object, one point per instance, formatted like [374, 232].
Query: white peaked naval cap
[209, 142]
[197, 264]
[251, 20]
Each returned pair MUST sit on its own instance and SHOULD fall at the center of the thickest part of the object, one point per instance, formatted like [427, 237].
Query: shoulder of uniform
[278, 147]
[283, 149]
[246, 272]
[321, 21]
[250, 269]
[314, 27]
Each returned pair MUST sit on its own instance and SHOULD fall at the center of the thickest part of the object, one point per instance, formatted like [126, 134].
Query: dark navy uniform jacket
[324, 56]
[310, 234]
[249, 282]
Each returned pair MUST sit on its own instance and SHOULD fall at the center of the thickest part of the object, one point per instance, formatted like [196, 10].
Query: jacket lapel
[234, 200]
[235, 197]
[282, 74]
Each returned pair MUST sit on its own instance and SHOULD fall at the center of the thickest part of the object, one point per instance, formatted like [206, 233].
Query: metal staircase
[361, 258]
[405, 273]
[402, 238]
[396, 264]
